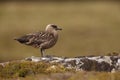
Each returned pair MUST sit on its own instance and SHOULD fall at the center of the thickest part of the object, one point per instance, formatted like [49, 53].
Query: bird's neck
[54, 32]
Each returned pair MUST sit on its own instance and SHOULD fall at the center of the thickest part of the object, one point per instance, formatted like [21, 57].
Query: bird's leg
[42, 52]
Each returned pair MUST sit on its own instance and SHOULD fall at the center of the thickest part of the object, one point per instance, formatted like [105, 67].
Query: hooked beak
[58, 28]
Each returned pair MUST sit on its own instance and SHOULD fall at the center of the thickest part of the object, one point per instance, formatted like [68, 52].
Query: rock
[109, 63]
[86, 63]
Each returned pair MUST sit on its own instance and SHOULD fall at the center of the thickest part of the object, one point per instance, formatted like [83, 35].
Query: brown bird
[43, 40]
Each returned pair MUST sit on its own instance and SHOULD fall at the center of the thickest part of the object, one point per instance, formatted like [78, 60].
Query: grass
[25, 68]
[81, 75]
[95, 76]
[89, 28]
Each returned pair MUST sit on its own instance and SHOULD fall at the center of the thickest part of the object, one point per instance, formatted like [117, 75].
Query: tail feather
[21, 40]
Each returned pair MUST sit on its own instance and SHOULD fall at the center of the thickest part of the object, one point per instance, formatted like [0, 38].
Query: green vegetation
[23, 68]
[27, 70]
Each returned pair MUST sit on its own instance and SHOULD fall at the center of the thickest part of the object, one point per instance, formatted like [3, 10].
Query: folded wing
[36, 39]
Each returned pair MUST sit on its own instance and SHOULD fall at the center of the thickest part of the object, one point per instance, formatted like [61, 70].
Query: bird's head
[52, 27]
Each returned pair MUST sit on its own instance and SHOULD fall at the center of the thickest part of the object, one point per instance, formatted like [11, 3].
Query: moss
[9, 70]
[23, 72]
[55, 69]
[24, 68]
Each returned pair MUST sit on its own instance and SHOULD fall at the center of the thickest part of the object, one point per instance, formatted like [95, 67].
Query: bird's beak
[58, 28]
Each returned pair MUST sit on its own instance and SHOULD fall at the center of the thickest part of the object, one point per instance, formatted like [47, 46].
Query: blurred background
[89, 27]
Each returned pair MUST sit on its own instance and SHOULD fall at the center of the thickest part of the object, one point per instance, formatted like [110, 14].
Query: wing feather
[36, 39]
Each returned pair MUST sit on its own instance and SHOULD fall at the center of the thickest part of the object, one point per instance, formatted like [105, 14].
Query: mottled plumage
[43, 40]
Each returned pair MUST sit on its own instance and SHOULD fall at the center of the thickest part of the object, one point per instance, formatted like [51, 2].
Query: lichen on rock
[53, 64]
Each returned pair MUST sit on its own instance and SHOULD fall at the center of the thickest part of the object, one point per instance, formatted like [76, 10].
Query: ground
[59, 68]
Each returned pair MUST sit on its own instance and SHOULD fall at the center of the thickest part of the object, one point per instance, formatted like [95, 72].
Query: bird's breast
[49, 44]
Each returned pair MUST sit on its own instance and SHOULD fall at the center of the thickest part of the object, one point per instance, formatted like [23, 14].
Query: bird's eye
[54, 26]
